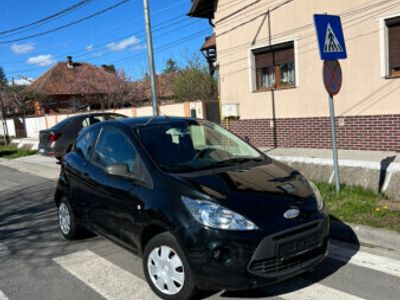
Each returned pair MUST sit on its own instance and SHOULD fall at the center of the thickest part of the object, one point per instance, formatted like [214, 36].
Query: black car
[202, 207]
[58, 140]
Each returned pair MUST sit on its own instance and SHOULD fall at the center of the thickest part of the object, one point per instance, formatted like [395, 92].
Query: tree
[194, 83]
[3, 78]
[171, 66]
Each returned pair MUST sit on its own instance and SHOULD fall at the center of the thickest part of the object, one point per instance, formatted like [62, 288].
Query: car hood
[262, 192]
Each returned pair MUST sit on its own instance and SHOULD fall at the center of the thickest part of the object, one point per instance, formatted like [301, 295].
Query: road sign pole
[334, 148]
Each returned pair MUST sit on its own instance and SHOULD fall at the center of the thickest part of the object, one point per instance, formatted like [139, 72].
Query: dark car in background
[204, 209]
[58, 140]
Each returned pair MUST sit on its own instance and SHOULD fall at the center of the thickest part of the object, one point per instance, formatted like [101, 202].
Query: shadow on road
[29, 226]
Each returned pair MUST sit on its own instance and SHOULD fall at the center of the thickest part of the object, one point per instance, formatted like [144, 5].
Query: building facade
[270, 71]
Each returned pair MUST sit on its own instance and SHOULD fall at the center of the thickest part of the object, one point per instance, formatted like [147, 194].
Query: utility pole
[154, 94]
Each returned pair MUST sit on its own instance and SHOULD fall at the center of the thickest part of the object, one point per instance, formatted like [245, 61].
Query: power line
[53, 16]
[68, 24]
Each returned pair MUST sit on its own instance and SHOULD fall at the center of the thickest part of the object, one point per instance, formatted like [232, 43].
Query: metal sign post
[332, 47]
[333, 82]
[334, 147]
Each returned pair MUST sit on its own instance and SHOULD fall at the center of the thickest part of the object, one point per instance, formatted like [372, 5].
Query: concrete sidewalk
[379, 171]
[26, 143]
[35, 164]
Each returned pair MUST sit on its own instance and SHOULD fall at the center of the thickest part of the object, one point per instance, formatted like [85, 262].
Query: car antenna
[150, 120]
[153, 117]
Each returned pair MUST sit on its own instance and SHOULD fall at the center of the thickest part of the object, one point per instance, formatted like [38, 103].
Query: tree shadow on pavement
[29, 227]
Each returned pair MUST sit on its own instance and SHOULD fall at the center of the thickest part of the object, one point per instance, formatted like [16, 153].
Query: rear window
[90, 120]
[62, 124]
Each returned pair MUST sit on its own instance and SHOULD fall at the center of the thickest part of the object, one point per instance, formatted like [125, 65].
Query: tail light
[52, 137]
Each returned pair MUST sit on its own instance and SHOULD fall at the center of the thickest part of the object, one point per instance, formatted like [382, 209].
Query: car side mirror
[118, 169]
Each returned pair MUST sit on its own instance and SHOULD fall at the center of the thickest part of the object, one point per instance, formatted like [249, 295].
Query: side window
[275, 66]
[85, 142]
[113, 147]
[393, 29]
[86, 122]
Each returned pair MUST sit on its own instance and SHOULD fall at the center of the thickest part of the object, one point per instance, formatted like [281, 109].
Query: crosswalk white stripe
[3, 296]
[318, 291]
[366, 260]
[106, 278]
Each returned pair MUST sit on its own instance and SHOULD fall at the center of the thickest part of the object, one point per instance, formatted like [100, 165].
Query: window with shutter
[275, 66]
[393, 26]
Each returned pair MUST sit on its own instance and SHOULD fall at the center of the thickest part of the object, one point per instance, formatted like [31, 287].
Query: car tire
[162, 257]
[67, 222]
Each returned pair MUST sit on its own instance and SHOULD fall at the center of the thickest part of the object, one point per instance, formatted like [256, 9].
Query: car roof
[139, 121]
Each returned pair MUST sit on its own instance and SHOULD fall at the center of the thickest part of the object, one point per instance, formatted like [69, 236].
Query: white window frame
[252, 61]
[384, 44]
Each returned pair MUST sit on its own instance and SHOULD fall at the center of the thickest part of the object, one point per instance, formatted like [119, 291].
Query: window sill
[263, 90]
[392, 76]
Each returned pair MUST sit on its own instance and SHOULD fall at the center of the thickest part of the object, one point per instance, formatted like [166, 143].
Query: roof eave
[202, 9]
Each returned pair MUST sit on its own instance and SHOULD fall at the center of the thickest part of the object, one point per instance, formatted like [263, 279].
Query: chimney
[70, 63]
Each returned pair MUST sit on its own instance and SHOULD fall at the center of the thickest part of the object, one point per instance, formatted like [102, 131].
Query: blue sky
[115, 37]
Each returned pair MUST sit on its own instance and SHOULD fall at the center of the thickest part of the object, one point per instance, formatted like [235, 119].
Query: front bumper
[243, 260]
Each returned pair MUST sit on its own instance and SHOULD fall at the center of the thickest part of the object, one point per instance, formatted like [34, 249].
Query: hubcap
[166, 271]
[64, 218]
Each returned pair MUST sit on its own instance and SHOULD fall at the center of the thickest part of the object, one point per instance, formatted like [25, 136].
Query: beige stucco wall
[364, 92]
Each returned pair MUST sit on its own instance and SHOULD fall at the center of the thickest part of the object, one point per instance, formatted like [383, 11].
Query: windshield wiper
[178, 167]
[237, 160]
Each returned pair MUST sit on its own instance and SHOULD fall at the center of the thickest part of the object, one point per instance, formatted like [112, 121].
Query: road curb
[355, 233]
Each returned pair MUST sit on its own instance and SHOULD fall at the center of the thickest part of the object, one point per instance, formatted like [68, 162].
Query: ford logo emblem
[291, 213]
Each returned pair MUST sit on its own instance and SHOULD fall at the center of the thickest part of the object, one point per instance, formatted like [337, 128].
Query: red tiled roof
[209, 43]
[83, 78]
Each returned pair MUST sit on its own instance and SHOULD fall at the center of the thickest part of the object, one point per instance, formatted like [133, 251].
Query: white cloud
[41, 60]
[123, 44]
[139, 47]
[89, 48]
[23, 81]
[22, 48]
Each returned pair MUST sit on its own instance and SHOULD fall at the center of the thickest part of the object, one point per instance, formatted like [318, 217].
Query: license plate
[300, 246]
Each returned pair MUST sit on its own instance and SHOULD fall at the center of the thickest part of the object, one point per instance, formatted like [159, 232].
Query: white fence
[35, 124]
[10, 127]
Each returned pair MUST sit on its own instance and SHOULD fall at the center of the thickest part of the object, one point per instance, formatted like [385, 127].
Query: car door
[117, 200]
[77, 167]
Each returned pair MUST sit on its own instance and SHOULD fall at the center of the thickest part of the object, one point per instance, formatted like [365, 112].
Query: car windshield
[193, 146]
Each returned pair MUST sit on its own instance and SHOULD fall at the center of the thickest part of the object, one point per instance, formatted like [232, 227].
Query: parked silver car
[58, 140]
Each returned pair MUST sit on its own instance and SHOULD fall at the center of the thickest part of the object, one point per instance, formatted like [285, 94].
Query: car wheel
[167, 270]
[67, 221]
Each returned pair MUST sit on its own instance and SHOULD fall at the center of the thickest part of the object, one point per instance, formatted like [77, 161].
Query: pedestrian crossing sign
[330, 35]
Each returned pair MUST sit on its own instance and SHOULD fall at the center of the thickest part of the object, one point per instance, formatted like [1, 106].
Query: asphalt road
[36, 263]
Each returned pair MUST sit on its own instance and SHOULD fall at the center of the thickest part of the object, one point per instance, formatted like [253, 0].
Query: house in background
[270, 73]
[69, 86]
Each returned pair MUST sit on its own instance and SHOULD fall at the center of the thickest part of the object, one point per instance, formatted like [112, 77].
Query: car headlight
[318, 197]
[216, 216]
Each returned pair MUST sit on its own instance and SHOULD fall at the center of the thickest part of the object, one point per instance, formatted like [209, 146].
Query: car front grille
[290, 250]
[278, 265]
